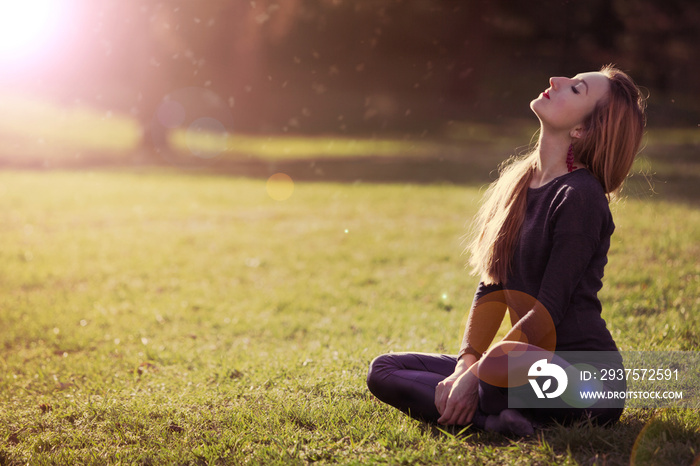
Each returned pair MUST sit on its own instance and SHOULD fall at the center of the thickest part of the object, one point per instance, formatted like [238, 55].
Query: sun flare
[25, 26]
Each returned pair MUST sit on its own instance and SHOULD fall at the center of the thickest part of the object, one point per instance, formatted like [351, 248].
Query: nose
[557, 81]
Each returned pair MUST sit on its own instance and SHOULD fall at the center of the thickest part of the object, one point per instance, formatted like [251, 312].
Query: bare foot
[510, 421]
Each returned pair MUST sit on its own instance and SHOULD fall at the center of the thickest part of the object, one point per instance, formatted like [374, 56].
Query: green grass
[42, 128]
[157, 317]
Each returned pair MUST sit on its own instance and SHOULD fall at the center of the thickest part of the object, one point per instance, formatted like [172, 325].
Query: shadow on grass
[418, 170]
[666, 172]
[448, 167]
[642, 437]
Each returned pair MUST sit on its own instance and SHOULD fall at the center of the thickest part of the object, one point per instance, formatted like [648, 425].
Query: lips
[546, 94]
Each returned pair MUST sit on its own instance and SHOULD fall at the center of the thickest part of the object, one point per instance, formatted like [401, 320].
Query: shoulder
[581, 204]
[583, 182]
[583, 190]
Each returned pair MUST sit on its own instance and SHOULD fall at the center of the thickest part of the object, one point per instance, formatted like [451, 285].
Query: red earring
[570, 159]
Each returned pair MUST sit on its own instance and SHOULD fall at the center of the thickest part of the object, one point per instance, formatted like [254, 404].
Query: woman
[541, 243]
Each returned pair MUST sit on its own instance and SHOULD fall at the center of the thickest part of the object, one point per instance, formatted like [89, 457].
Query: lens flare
[280, 187]
[207, 137]
[25, 26]
[197, 119]
[171, 114]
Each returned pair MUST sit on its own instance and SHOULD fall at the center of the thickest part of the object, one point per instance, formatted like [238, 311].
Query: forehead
[598, 83]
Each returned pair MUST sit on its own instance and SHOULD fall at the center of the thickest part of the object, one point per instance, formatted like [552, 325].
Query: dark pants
[407, 381]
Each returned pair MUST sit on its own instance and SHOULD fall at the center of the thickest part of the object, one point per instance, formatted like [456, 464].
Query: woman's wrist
[465, 362]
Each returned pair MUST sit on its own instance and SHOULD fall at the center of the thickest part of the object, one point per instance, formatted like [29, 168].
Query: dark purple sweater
[559, 260]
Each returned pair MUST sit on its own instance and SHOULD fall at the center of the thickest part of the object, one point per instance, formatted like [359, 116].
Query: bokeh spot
[280, 186]
[207, 137]
[171, 114]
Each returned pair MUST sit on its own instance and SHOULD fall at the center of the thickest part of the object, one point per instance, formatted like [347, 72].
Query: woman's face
[568, 101]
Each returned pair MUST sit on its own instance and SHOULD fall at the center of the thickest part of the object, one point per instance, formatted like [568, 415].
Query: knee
[506, 363]
[378, 370]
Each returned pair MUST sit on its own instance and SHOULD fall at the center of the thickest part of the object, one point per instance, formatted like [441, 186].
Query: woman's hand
[457, 397]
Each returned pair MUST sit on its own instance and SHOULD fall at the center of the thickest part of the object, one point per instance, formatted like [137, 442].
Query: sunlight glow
[25, 26]
[280, 186]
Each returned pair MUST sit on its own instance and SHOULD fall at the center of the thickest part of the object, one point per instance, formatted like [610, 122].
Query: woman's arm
[579, 226]
[457, 397]
[484, 320]
[536, 328]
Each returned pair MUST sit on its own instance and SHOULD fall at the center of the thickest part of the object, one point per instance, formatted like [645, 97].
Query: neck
[551, 157]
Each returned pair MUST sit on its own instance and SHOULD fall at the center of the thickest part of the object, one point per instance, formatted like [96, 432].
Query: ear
[577, 132]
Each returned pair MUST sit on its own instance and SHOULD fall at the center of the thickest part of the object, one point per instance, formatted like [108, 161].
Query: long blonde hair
[613, 133]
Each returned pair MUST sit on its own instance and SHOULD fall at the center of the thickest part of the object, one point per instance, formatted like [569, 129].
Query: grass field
[159, 317]
[156, 315]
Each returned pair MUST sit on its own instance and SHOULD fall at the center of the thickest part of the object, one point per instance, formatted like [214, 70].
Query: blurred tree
[128, 56]
[662, 37]
[218, 45]
[361, 65]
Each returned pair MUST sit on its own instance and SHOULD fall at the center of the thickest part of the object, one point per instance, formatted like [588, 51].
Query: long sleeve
[557, 270]
[559, 261]
[484, 319]
[578, 228]
[531, 323]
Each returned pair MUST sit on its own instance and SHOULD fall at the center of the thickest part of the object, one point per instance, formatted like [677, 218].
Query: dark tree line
[341, 65]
